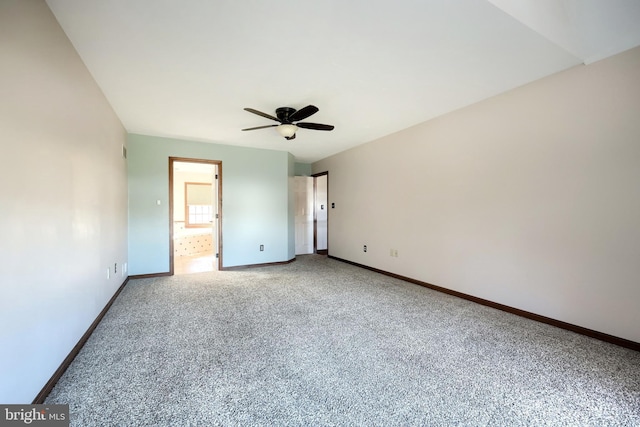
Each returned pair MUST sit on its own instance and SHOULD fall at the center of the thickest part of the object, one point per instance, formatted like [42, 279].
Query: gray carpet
[320, 342]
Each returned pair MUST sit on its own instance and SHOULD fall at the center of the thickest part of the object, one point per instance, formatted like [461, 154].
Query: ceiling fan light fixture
[287, 130]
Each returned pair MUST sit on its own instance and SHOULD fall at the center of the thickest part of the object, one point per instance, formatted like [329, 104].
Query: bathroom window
[200, 215]
[198, 198]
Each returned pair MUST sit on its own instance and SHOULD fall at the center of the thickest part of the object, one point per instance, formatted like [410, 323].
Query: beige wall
[530, 199]
[63, 195]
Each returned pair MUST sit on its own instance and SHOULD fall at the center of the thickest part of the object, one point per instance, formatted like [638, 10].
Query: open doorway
[321, 216]
[195, 215]
[311, 214]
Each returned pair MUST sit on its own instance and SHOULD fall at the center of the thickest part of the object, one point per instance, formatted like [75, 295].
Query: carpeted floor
[320, 342]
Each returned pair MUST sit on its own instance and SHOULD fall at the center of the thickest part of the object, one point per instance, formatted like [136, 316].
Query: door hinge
[217, 255]
[217, 216]
[216, 176]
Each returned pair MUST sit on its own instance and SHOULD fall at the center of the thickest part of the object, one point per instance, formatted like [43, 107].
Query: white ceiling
[187, 68]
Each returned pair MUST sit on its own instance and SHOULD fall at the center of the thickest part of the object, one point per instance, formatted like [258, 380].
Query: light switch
[158, 202]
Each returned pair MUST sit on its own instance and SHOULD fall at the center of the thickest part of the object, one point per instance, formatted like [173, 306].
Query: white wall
[529, 199]
[63, 199]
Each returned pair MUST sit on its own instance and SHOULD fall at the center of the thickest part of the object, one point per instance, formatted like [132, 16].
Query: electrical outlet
[261, 248]
[393, 253]
[115, 268]
[364, 248]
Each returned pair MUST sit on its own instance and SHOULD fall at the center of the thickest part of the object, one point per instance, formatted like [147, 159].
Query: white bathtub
[191, 241]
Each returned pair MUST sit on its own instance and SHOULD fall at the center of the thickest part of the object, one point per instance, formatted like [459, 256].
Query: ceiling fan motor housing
[283, 114]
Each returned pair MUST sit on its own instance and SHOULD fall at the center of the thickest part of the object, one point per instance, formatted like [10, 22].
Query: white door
[304, 215]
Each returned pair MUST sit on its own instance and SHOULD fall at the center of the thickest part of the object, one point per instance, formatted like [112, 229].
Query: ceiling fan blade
[261, 127]
[260, 113]
[315, 126]
[303, 113]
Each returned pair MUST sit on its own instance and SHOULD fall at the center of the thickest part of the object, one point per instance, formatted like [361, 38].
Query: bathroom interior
[194, 210]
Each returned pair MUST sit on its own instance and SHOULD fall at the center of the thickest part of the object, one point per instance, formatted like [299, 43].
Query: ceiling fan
[287, 116]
